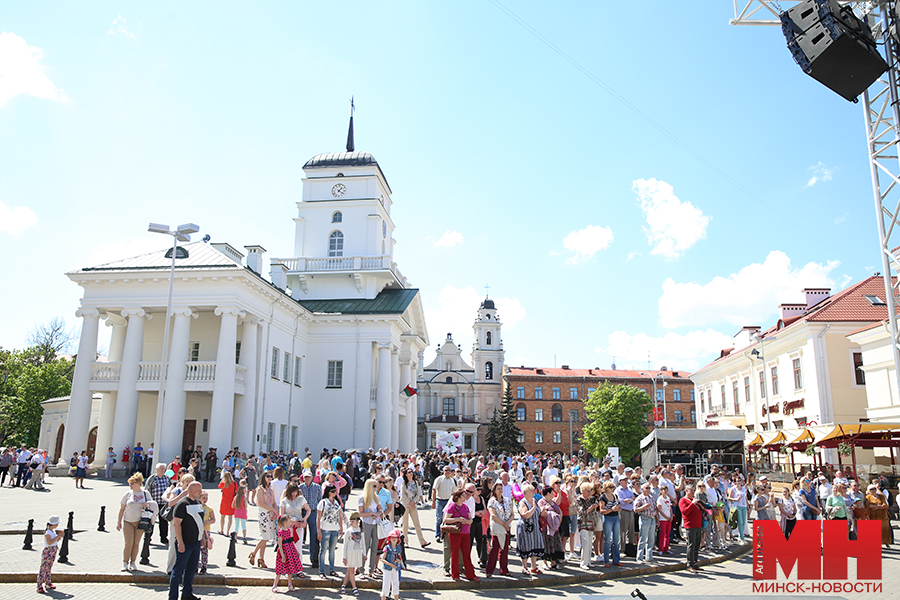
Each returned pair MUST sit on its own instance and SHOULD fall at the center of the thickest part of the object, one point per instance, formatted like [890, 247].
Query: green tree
[617, 416]
[27, 378]
[505, 436]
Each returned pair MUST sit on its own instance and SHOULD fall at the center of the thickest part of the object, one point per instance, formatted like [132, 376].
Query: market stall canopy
[776, 440]
[855, 429]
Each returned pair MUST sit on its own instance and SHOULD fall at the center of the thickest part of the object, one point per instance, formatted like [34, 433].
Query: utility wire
[623, 100]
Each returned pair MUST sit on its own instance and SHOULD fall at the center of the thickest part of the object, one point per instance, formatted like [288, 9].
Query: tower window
[488, 370]
[487, 338]
[450, 406]
[336, 244]
[337, 217]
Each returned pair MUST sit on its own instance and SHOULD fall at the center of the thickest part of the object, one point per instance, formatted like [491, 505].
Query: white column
[221, 415]
[170, 438]
[395, 400]
[127, 398]
[363, 433]
[383, 403]
[243, 404]
[406, 444]
[78, 423]
[108, 403]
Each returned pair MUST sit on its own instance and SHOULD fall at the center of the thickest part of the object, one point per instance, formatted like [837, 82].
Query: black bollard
[29, 535]
[145, 550]
[69, 527]
[232, 553]
[101, 526]
[64, 549]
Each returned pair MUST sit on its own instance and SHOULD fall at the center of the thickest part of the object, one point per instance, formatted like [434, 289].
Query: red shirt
[690, 513]
[563, 500]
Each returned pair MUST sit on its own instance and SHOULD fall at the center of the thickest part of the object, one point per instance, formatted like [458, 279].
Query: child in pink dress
[240, 509]
[287, 561]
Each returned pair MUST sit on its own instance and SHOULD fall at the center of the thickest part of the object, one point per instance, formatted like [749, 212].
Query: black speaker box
[833, 46]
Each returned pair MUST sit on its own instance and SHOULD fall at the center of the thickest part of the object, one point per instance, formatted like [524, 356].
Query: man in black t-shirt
[187, 524]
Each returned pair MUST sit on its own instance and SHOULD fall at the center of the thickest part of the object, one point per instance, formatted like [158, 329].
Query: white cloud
[16, 219]
[820, 173]
[677, 352]
[841, 218]
[118, 26]
[673, 226]
[21, 71]
[456, 311]
[110, 251]
[449, 239]
[749, 297]
[587, 242]
[632, 255]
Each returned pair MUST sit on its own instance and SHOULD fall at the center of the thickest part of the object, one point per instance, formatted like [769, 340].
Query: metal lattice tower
[882, 121]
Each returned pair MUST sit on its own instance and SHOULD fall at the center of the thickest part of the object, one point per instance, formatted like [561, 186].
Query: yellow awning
[778, 438]
[805, 435]
[842, 430]
[756, 441]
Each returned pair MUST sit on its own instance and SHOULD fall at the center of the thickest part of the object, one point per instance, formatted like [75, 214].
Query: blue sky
[680, 181]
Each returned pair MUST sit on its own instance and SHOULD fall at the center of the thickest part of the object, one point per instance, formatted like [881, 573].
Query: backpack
[296, 466]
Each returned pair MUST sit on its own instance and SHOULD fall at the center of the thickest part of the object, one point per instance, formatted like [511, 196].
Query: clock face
[338, 190]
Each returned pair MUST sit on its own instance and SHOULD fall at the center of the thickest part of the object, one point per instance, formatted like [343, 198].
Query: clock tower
[343, 243]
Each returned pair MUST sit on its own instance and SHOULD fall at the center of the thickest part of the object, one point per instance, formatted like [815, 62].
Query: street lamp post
[181, 234]
[761, 353]
[653, 378]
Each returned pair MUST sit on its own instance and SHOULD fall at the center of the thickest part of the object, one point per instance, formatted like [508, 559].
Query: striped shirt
[312, 493]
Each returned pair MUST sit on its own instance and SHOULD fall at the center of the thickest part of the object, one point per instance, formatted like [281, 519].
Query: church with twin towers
[315, 353]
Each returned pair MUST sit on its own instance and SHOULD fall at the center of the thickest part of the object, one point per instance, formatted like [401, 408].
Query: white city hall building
[315, 356]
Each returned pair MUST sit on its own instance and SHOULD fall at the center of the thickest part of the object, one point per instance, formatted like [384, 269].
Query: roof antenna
[350, 146]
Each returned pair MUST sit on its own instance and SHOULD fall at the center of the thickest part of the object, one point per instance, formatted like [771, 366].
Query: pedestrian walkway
[97, 556]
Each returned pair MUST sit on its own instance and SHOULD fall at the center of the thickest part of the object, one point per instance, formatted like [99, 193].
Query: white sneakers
[131, 567]
[125, 566]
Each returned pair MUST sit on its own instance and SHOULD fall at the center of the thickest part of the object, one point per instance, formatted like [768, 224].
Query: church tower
[487, 352]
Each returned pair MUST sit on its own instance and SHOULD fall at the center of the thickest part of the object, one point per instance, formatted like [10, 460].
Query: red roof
[593, 373]
[849, 305]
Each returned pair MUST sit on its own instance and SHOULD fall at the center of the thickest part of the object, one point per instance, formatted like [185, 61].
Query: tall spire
[350, 145]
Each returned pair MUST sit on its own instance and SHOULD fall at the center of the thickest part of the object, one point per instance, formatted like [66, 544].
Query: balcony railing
[107, 374]
[337, 263]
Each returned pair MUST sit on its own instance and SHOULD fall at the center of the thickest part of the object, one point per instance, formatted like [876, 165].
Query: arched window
[449, 366]
[556, 411]
[337, 217]
[488, 370]
[450, 407]
[487, 338]
[336, 244]
[520, 411]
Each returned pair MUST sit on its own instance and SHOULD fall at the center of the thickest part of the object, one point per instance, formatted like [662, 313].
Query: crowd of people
[547, 510]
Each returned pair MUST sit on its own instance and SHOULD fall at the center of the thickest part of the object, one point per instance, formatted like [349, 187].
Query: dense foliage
[503, 434]
[617, 416]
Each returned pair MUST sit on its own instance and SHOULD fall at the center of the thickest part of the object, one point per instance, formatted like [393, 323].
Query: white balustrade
[106, 371]
[240, 372]
[201, 371]
[150, 371]
[338, 263]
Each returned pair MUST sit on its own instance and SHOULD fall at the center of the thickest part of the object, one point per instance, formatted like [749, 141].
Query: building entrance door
[190, 429]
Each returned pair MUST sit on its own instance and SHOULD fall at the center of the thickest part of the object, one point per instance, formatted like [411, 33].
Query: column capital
[232, 311]
[251, 319]
[112, 319]
[387, 346]
[87, 312]
[185, 312]
[136, 312]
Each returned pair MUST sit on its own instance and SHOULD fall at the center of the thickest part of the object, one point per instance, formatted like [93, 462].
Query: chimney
[791, 310]
[255, 258]
[816, 295]
[278, 274]
[229, 251]
[565, 367]
[745, 336]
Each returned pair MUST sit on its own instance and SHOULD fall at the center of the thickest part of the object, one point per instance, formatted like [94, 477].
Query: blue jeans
[439, 516]
[645, 543]
[329, 544]
[185, 566]
[742, 521]
[611, 530]
[313, 540]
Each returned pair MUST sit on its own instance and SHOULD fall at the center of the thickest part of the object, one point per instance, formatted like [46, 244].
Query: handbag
[451, 528]
[385, 527]
[146, 522]
[167, 513]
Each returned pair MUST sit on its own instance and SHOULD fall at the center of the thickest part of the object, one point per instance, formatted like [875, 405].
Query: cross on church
[486, 288]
